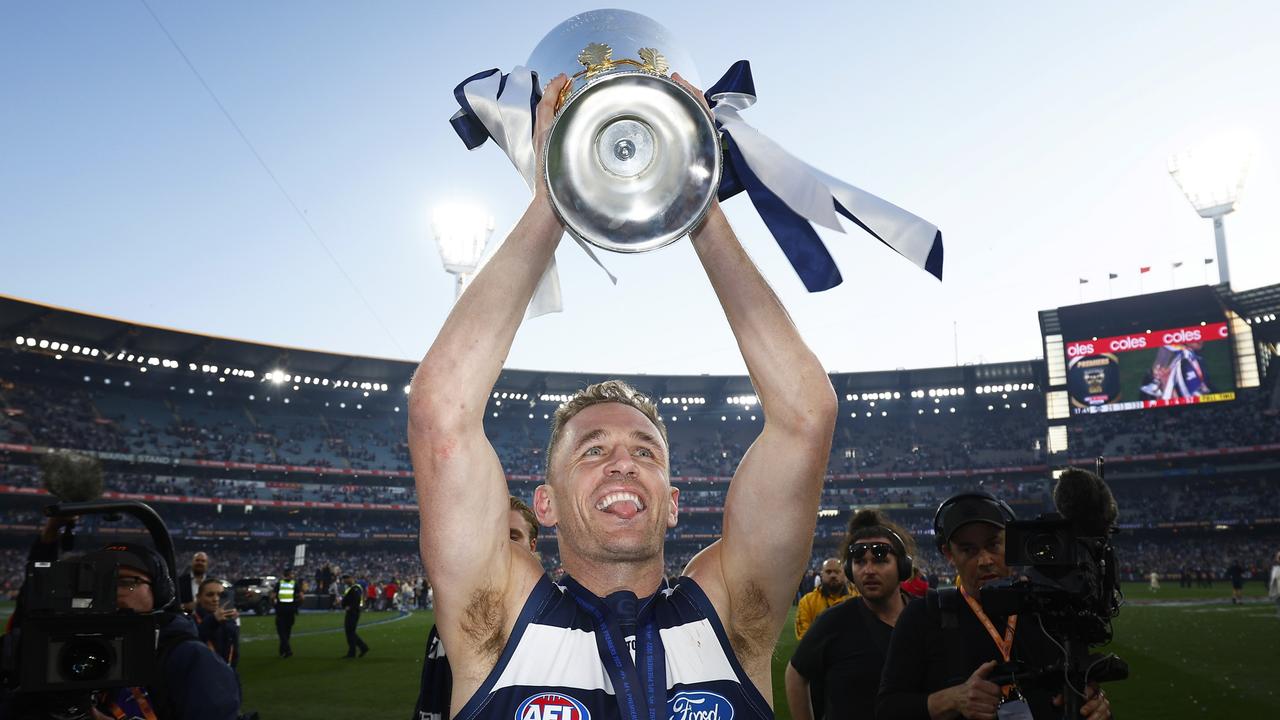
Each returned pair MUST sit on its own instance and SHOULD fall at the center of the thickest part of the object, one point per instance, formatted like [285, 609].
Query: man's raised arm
[460, 483]
[772, 504]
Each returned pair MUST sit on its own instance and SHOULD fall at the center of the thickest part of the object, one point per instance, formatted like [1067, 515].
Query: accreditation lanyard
[1005, 645]
[640, 683]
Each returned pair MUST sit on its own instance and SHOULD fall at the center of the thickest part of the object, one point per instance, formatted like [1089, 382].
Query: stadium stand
[248, 450]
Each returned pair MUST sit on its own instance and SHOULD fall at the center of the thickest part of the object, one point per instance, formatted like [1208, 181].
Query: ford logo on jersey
[552, 706]
[699, 705]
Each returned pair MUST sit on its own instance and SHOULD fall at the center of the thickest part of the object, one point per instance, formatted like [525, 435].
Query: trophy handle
[598, 57]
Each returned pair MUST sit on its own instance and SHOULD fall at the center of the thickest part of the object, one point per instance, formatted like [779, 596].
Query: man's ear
[674, 516]
[542, 508]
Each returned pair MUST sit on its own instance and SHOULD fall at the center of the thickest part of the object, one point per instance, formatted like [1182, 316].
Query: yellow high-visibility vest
[285, 593]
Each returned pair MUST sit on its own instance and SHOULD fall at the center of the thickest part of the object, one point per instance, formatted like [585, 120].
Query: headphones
[905, 562]
[1001, 506]
[163, 589]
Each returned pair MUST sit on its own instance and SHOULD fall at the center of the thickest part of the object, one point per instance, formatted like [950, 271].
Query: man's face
[210, 596]
[133, 590]
[876, 579]
[519, 528]
[833, 580]
[199, 563]
[608, 493]
[976, 551]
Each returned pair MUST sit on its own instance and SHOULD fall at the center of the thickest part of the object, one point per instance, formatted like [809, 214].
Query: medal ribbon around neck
[640, 685]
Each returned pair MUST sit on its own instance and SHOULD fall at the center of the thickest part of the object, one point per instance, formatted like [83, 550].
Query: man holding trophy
[615, 639]
[627, 156]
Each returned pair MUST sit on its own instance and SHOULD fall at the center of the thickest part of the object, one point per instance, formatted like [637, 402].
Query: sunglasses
[879, 551]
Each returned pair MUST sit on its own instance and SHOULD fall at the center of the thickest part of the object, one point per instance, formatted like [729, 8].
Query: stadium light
[1212, 177]
[461, 234]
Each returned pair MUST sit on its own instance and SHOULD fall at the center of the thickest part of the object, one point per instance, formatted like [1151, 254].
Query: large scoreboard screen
[1158, 350]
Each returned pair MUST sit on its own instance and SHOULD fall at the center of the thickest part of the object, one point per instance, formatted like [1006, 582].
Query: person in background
[287, 595]
[843, 652]
[832, 589]
[352, 600]
[189, 581]
[218, 627]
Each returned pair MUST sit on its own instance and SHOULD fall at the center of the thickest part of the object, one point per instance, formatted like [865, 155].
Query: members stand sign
[1156, 368]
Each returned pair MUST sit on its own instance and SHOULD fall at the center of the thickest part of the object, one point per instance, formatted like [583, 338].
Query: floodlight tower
[1212, 177]
[461, 234]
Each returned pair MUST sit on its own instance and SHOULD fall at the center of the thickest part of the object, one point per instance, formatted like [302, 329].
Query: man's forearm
[791, 384]
[472, 346]
[798, 700]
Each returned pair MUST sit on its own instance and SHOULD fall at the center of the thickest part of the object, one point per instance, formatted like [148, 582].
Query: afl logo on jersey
[699, 705]
[552, 706]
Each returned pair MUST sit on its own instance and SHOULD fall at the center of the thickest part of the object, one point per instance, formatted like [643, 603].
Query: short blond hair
[526, 512]
[609, 391]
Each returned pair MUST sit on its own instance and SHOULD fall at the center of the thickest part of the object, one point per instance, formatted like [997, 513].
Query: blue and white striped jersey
[568, 659]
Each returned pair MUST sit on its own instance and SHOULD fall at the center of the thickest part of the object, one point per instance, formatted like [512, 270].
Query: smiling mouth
[625, 505]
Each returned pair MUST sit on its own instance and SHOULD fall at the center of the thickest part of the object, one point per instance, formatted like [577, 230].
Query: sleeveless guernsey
[574, 656]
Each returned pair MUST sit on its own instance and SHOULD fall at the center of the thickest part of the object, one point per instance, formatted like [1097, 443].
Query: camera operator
[945, 646]
[218, 626]
[193, 684]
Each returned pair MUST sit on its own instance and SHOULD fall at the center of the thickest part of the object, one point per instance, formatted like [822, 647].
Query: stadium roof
[112, 336]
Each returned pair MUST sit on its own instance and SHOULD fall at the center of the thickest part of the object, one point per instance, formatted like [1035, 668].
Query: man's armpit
[483, 623]
[750, 626]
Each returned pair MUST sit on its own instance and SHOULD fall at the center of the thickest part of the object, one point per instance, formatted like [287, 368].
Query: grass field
[1193, 655]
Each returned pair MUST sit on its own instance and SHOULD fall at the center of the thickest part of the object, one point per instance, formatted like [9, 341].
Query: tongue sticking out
[625, 509]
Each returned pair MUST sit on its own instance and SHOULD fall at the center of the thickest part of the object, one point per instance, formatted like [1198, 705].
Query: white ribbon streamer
[509, 121]
[809, 191]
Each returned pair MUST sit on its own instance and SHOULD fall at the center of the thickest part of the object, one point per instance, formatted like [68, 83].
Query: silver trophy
[632, 159]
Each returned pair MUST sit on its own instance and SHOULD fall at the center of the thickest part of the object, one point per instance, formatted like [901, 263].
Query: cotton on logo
[552, 706]
[1079, 349]
[1129, 343]
[1181, 336]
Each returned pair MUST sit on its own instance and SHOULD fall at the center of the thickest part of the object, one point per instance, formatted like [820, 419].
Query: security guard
[288, 597]
[352, 598]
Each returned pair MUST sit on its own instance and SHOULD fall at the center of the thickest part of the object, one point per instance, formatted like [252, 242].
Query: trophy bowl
[632, 158]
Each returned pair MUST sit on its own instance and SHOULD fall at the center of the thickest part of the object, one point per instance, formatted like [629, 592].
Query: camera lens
[85, 660]
[1043, 548]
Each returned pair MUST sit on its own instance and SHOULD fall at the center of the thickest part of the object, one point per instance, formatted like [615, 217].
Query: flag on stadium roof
[1144, 269]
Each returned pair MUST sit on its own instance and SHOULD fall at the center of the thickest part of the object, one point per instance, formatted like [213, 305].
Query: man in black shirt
[945, 645]
[352, 598]
[1236, 573]
[844, 649]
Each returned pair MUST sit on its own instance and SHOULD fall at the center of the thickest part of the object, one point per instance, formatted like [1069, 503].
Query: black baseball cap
[138, 557]
[961, 510]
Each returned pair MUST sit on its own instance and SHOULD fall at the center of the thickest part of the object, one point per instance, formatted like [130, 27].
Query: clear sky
[1036, 136]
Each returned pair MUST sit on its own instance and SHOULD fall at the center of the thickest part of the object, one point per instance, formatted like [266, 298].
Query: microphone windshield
[71, 476]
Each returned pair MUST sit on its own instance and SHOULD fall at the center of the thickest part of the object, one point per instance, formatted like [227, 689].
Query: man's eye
[596, 450]
[644, 452]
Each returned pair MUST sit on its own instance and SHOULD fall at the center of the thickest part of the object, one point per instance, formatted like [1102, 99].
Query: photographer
[945, 646]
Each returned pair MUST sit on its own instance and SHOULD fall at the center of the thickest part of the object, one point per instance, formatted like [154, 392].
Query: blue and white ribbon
[789, 194]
